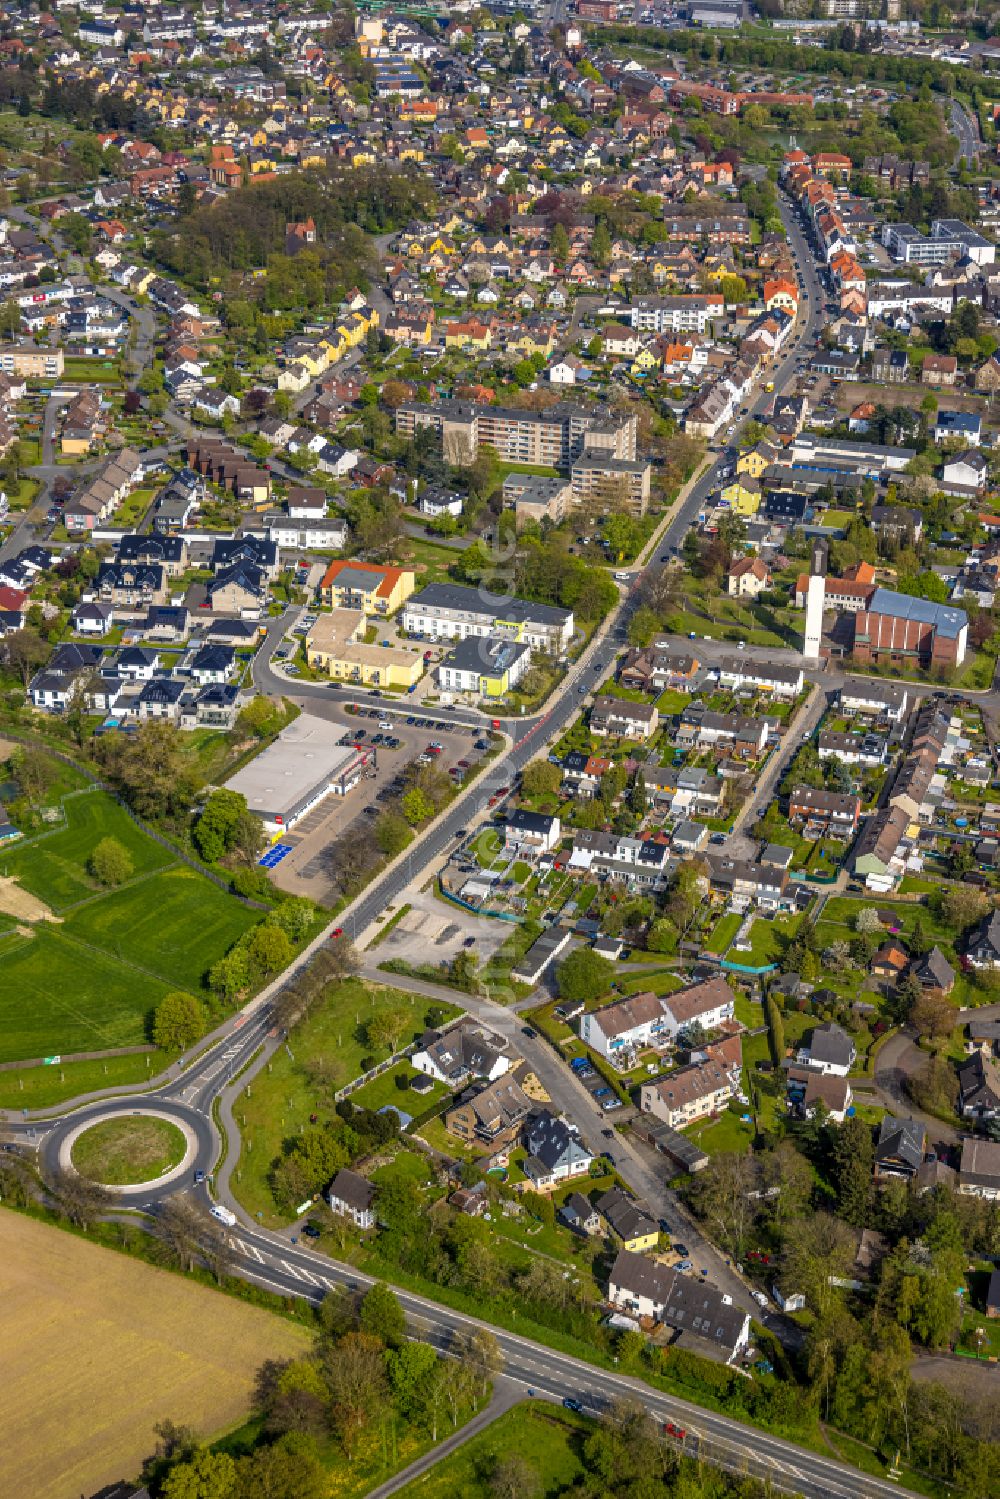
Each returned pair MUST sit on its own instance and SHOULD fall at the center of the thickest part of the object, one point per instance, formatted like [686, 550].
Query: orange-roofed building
[860, 572]
[832, 164]
[781, 292]
[795, 159]
[848, 272]
[364, 586]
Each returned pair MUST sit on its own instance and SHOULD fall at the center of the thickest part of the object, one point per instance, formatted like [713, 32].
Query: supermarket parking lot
[304, 869]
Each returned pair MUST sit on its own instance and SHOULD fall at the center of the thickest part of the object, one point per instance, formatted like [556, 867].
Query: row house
[640, 863]
[701, 1088]
[830, 814]
[742, 737]
[621, 719]
[747, 884]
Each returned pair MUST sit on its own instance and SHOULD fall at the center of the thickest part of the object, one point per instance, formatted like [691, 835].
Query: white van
[224, 1215]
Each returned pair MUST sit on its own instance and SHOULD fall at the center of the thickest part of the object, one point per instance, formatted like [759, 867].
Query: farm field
[108, 1347]
[89, 979]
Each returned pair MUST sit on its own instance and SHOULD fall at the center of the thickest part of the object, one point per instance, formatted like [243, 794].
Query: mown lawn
[384, 1090]
[91, 981]
[768, 940]
[723, 932]
[175, 925]
[57, 995]
[53, 866]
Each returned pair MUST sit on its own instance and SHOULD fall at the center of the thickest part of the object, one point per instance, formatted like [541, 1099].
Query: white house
[562, 372]
[646, 1020]
[352, 1196]
[830, 1050]
[698, 1311]
[532, 832]
[965, 473]
[555, 1152]
[463, 1052]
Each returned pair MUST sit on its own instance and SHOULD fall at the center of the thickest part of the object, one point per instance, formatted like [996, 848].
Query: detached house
[491, 1116]
[629, 1221]
[979, 1088]
[830, 1050]
[555, 1152]
[899, 1149]
[983, 950]
[830, 814]
[352, 1196]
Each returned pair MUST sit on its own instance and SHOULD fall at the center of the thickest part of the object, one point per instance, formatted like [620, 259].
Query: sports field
[102, 1347]
[54, 866]
[90, 979]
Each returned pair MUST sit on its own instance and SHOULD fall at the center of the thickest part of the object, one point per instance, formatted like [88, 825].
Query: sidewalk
[506, 1394]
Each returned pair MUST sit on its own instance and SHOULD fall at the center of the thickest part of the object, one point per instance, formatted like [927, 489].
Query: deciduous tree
[178, 1021]
[584, 976]
[110, 862]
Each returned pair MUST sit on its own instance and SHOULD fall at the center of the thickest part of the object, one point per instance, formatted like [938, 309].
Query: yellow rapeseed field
[97, 1348]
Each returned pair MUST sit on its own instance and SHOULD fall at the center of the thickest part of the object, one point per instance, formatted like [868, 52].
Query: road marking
[299, 1273]
[248, 1249]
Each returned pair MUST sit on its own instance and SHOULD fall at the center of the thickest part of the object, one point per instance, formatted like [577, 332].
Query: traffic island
[131, 1150]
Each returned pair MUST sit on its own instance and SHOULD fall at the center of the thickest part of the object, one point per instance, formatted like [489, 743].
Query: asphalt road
[281, 1264]
[965, 130]
[285, 1266]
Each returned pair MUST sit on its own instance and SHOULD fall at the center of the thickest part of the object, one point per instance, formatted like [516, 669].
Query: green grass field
[120, 1152]
[547, 1438]
[283, 1097]
[40, 1087]
[60, 996]
[174, 925]
[54, 866]
[90, 981]
[383, 1090]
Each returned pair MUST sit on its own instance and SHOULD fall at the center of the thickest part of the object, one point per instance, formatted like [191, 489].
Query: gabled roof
[901, 1139]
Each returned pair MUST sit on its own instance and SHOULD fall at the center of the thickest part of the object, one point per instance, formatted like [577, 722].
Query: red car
[338, 931]
[677, 1432]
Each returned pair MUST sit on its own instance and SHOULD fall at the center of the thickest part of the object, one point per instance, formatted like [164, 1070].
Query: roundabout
[136, 1150]
[129, 1150]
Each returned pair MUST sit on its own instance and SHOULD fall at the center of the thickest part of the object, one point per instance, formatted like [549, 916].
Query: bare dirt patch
[104, 1348]
[15, 901]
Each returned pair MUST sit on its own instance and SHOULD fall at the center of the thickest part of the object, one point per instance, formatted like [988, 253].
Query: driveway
[897, 1060]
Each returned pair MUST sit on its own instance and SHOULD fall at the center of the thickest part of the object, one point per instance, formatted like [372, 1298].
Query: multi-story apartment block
[550, 439]
[451, 611]
[689, 314]
[31, 362]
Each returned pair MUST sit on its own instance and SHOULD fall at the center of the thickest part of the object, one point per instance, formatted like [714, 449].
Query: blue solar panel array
[275, 854]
